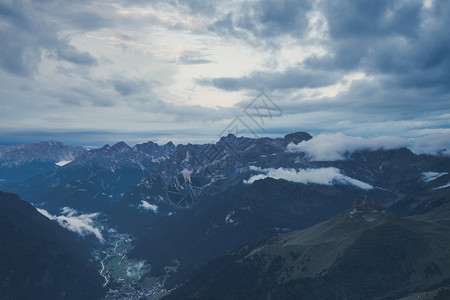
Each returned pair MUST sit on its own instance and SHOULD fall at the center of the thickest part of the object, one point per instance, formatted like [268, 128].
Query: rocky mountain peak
[120, 146]
[104, 148]
[155, 149]
[169, 145]
[297, 137]
[228, 137]
[363, 202]
[368, 210]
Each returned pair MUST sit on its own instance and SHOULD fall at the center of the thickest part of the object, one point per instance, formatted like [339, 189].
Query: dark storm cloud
[198, 6]
[370, 101]
[185, 113]
[273, 18]
[127, 87]
[363, 19]
[398, 38]
[89, 92]
[376, 36]
[189, 60]
[374, 100]
[82, 96]
[386, 37]
[71, 54]
[259, 21]
[403, 46]
[86, 20]
[26, 33]
[292, 78]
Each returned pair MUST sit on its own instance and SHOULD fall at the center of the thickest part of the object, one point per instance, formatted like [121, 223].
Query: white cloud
[430, 176]
[337, 146]
[438, 143]
[45, 213]
[83, 224]
[147, 206]
[134, 270]
[324, 176]
[443, 187]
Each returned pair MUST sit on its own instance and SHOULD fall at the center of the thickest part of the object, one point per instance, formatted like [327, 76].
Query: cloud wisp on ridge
[322, 176]
[71, 219]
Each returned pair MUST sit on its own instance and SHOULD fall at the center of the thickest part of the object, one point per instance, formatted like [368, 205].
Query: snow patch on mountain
[337, 146]
[430, 176]
[187, 158]
[323, 176]
[63, 162]
[71, 219]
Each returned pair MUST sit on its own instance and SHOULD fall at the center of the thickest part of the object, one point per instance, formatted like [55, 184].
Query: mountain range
[201, 216]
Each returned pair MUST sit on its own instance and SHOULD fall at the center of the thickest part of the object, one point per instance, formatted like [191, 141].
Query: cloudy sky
[95, 72]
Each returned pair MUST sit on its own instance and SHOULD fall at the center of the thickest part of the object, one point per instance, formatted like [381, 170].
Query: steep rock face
[366, 252]
[41, 260]
[25, 161]
[193, 168]
[157, 151]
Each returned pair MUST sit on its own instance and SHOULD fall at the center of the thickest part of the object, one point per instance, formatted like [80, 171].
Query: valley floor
[124, 277]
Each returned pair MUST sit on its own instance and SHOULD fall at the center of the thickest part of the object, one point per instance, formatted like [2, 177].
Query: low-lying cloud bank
[83, 224]
[430, 176]
[337, 146]
[323, 176]
[435, 144]
[442, 187]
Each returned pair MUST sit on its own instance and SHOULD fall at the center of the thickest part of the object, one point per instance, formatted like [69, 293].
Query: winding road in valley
[103, 268]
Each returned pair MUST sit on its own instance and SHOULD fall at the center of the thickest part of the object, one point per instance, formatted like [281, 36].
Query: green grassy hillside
[364, 253]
